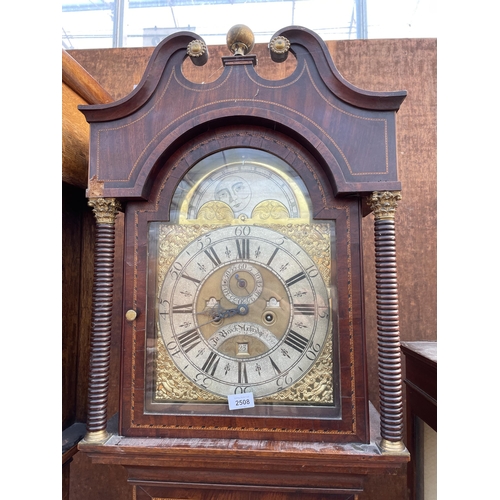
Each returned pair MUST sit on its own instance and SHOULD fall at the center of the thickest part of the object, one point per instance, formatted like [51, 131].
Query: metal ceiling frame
[118, 7]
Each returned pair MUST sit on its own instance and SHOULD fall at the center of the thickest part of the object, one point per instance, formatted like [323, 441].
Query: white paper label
[240, 401]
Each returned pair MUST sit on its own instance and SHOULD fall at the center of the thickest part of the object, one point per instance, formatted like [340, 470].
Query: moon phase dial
[243, 310]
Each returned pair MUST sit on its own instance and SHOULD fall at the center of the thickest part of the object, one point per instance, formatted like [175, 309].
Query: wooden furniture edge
[70, 439]
[410, 348]
[245, 454]
[80, 81]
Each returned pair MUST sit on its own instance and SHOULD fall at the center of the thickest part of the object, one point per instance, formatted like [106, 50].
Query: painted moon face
[234, 191]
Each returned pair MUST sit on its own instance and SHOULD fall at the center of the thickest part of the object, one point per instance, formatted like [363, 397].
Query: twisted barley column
[389, 354]
[105, 211]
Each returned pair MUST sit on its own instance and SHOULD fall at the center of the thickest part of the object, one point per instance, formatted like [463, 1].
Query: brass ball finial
[240, 40]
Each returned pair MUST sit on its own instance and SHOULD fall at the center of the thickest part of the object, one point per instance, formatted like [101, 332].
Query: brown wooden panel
[116, 340]
[385, 487]
[84, 320]
[81, 82]
[98, 482]
[253, 466]
[117, 70]
[77, 265]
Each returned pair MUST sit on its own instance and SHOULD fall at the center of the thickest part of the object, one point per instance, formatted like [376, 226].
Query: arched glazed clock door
[241, 296]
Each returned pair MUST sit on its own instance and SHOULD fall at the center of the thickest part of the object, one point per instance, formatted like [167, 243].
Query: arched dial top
[250, 183]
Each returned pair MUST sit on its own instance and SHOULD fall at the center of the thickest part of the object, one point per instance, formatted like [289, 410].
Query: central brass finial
[240, 40]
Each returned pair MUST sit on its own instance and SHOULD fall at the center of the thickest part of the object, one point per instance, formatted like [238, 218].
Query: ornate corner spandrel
[215, 212]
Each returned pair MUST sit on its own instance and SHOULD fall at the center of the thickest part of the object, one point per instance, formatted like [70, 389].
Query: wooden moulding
[248, 464]
[78, 87]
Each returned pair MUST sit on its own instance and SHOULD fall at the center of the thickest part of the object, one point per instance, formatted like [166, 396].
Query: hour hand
[241, 309]
[217, 312]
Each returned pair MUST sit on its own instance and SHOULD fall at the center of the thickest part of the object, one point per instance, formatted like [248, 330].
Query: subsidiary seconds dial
[243, 309]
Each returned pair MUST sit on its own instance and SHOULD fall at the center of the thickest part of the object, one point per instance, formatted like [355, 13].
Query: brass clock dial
[243, 309]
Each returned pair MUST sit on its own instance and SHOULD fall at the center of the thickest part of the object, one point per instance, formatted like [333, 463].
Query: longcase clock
[243, 340]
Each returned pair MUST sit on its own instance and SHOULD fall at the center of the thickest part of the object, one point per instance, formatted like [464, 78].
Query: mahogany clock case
[345, 420]
[338, 139]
